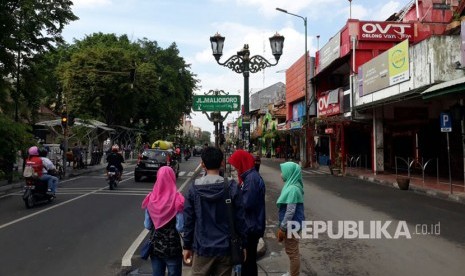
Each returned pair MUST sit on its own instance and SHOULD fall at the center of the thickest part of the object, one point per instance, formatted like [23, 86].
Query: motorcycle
[113, 177]
[35, 191]
[187, 155]
[59, 169]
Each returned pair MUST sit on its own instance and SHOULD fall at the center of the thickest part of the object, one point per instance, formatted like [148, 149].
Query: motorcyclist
[48, 171]
[187, 153]
[178, 153]
[115, 159]
[34, 161]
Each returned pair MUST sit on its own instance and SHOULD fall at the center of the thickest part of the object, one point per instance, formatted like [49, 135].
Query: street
[89, 229]
[85, 231]
[338, 199]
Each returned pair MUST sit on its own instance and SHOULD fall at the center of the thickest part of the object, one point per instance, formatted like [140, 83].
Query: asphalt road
[89, 229]
[338, 199]
[86, 231]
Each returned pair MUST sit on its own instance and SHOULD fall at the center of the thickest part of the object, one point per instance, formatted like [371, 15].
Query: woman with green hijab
[291, 208]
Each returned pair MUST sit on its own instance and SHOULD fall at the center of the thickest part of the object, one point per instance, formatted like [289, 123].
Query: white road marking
[20, 192]
[51, 207]
[182, 173]
[126, 261]
[315, 172]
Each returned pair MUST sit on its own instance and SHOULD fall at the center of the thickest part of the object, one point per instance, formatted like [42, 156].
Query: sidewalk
[430, 186]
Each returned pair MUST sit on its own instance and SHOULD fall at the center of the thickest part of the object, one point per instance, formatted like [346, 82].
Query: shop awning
[448, 87]
[78, 122]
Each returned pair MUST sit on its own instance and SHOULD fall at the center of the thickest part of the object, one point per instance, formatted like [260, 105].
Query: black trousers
[249, 267]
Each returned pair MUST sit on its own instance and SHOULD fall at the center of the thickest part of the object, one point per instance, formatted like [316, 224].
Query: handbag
[147, 248]
[236, 248]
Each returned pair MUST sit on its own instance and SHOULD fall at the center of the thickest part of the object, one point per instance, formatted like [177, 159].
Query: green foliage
[13, 137]
[29, 29]
[96, 82]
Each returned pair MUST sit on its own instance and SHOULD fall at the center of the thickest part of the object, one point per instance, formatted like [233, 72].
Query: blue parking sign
[446, 122]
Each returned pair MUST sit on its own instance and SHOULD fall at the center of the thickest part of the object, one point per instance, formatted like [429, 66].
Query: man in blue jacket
[206, 226]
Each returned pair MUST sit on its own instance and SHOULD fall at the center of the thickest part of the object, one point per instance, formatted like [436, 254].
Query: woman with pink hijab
[163, 216]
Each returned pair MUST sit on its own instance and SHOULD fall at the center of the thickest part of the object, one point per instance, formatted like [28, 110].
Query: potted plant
[455, 22]
[403, 182]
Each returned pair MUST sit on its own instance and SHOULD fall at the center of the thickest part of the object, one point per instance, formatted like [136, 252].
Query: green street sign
[217, 103]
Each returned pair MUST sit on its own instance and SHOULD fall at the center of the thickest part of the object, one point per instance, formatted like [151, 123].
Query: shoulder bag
[236, 248]
[147, 248]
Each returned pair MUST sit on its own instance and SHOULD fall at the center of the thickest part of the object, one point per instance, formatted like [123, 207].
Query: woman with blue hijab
[291, 208]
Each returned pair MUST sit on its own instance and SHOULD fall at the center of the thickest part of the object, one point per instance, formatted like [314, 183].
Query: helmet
[43, 152]
[115, 148]
[33, 150]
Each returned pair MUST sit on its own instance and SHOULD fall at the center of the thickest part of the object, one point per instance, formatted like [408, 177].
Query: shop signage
[330, 52]
[389, 68]
[385, 31]
[295, 124]
[441, 6]
[282, 126]
[329, 103]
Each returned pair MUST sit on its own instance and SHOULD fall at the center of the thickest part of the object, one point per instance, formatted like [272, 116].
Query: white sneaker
[285, 274]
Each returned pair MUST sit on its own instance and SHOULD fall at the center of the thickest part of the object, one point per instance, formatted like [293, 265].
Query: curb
[413, 188]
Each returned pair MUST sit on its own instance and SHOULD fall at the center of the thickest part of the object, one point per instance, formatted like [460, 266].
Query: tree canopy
[97, 81]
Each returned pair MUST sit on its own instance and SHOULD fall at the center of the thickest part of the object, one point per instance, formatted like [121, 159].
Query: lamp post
[243, 63]
[306, 79]
[350, 9]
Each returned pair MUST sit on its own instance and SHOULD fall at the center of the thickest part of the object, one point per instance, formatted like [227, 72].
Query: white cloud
[86, 4]
[386, 10]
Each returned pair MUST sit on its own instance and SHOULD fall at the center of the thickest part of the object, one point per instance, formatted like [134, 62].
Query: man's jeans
[159, 265]
[51, 180]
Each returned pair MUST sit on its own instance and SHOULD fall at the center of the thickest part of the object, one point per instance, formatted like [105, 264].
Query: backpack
[33, 168]
[29, 172]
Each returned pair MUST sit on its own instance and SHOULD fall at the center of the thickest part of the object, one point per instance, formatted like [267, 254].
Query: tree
[13, 137]
[28, 29]
[96, 81]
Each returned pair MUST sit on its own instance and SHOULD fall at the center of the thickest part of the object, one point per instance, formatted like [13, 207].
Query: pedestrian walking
[163, 216]
[207, 234]
[291, 208]
[253, 201]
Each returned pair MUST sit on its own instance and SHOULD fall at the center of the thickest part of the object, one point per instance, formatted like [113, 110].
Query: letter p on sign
[446, 122]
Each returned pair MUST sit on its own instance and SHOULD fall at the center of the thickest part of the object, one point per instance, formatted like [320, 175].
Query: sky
[190, 23]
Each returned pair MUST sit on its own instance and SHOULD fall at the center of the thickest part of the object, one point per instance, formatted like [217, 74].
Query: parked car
[197, 151]
[151, 160]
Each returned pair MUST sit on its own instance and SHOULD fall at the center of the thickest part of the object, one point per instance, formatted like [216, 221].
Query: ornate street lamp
[243, 63]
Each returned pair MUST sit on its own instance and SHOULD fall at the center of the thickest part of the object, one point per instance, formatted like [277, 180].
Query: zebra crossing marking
[313, 172]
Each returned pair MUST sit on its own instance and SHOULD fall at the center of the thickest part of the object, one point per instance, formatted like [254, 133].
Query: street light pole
[307, 105]
[243, 63]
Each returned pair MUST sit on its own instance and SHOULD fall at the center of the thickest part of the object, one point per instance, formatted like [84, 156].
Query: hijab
[293, 189]
[164, 202]
[242, 161]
